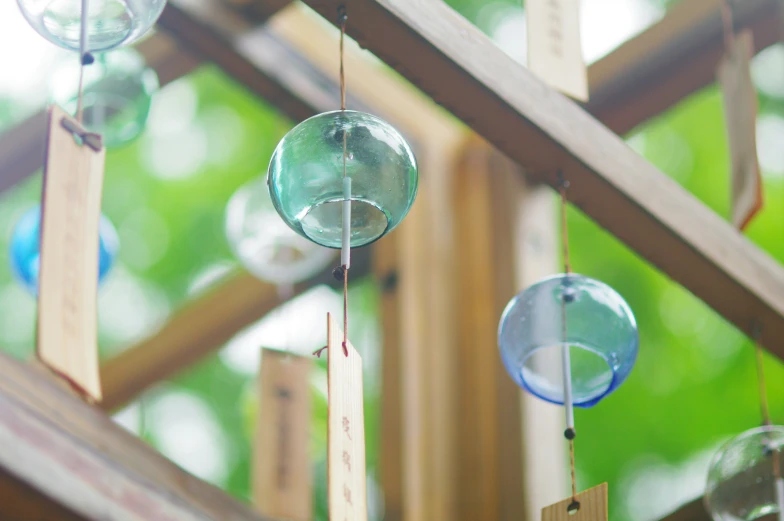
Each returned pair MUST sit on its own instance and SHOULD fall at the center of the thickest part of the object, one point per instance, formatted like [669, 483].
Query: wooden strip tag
[68, 279]
[346, 430]
[555, 52]
[282, 470]
[740, 110]
[593, 507]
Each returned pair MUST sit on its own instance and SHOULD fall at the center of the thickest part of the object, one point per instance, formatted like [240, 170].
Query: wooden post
[492, 228]
[390, 468]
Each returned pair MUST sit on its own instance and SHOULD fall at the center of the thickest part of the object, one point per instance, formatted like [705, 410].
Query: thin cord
[342, 18]
[764, 409]
[345, 311]
[570, 432]
[571, 467]
[82, 59]
[346, 246]
[81, 93]
[564, 227]
[729, 24]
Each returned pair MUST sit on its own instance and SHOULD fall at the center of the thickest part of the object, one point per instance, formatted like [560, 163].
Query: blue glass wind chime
[113, 98]
[569, 340]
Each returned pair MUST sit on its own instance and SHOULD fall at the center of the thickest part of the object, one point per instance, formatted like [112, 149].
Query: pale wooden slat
[68, 281]
[593, 507]
[346, 471]
[555, 52]
[544, 454]
[544, 132]
[282, 469]
[740, 113]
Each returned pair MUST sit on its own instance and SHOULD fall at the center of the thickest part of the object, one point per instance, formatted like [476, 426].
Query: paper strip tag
[68, 279]
[740, 110]
[282, 470]
[593, 507]
[554, 49]
[346, 430]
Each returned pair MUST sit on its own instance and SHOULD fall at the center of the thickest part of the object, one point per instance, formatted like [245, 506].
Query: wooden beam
[693, 511]
[75, 463]
[263, 63]
[544, 132]
[200, 328]
[208, 44]
[672, 59]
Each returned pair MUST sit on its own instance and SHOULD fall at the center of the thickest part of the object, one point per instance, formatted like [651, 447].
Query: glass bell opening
[262, 242]
[599, 329]
[592, 375]
[306, 176]
[110, 23]
[741, 479]
[118, 91]
[25, 248]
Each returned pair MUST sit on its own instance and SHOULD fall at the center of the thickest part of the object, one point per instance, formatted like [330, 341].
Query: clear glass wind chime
[570, 340]
[113, 98]
[745, 479]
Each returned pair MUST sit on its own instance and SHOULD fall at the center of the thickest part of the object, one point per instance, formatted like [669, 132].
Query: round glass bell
[741, 478]
[118, 91]
[263, 243]
[110, 23]
[599, 330]
[25, 248]
[306, 177]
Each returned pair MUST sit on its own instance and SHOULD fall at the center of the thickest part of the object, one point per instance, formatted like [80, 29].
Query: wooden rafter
[673, 58]
[198, 329]
[67, 461]
[457, 65]
[284, 28]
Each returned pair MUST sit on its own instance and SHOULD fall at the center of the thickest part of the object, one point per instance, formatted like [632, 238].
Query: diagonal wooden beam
[199, 328]
[457, 65]
[75, 463]
[672, 59]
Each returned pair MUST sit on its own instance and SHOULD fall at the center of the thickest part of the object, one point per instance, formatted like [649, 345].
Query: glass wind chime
[570, 340]
[745, 479]
[343, 179]
[113, 98]
[265, 245]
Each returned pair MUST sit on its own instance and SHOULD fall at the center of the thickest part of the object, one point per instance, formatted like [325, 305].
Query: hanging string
[345, 253]
[342, 19]
[570, 432]
[763, 394]
[729, 24]
[85, 58]
[765, 414]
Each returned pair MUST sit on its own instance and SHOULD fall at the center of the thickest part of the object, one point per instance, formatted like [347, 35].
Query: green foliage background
[694, 383]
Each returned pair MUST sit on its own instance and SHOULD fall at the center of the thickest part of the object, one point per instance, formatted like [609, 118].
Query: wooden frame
[542, 131]
[460, 68]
